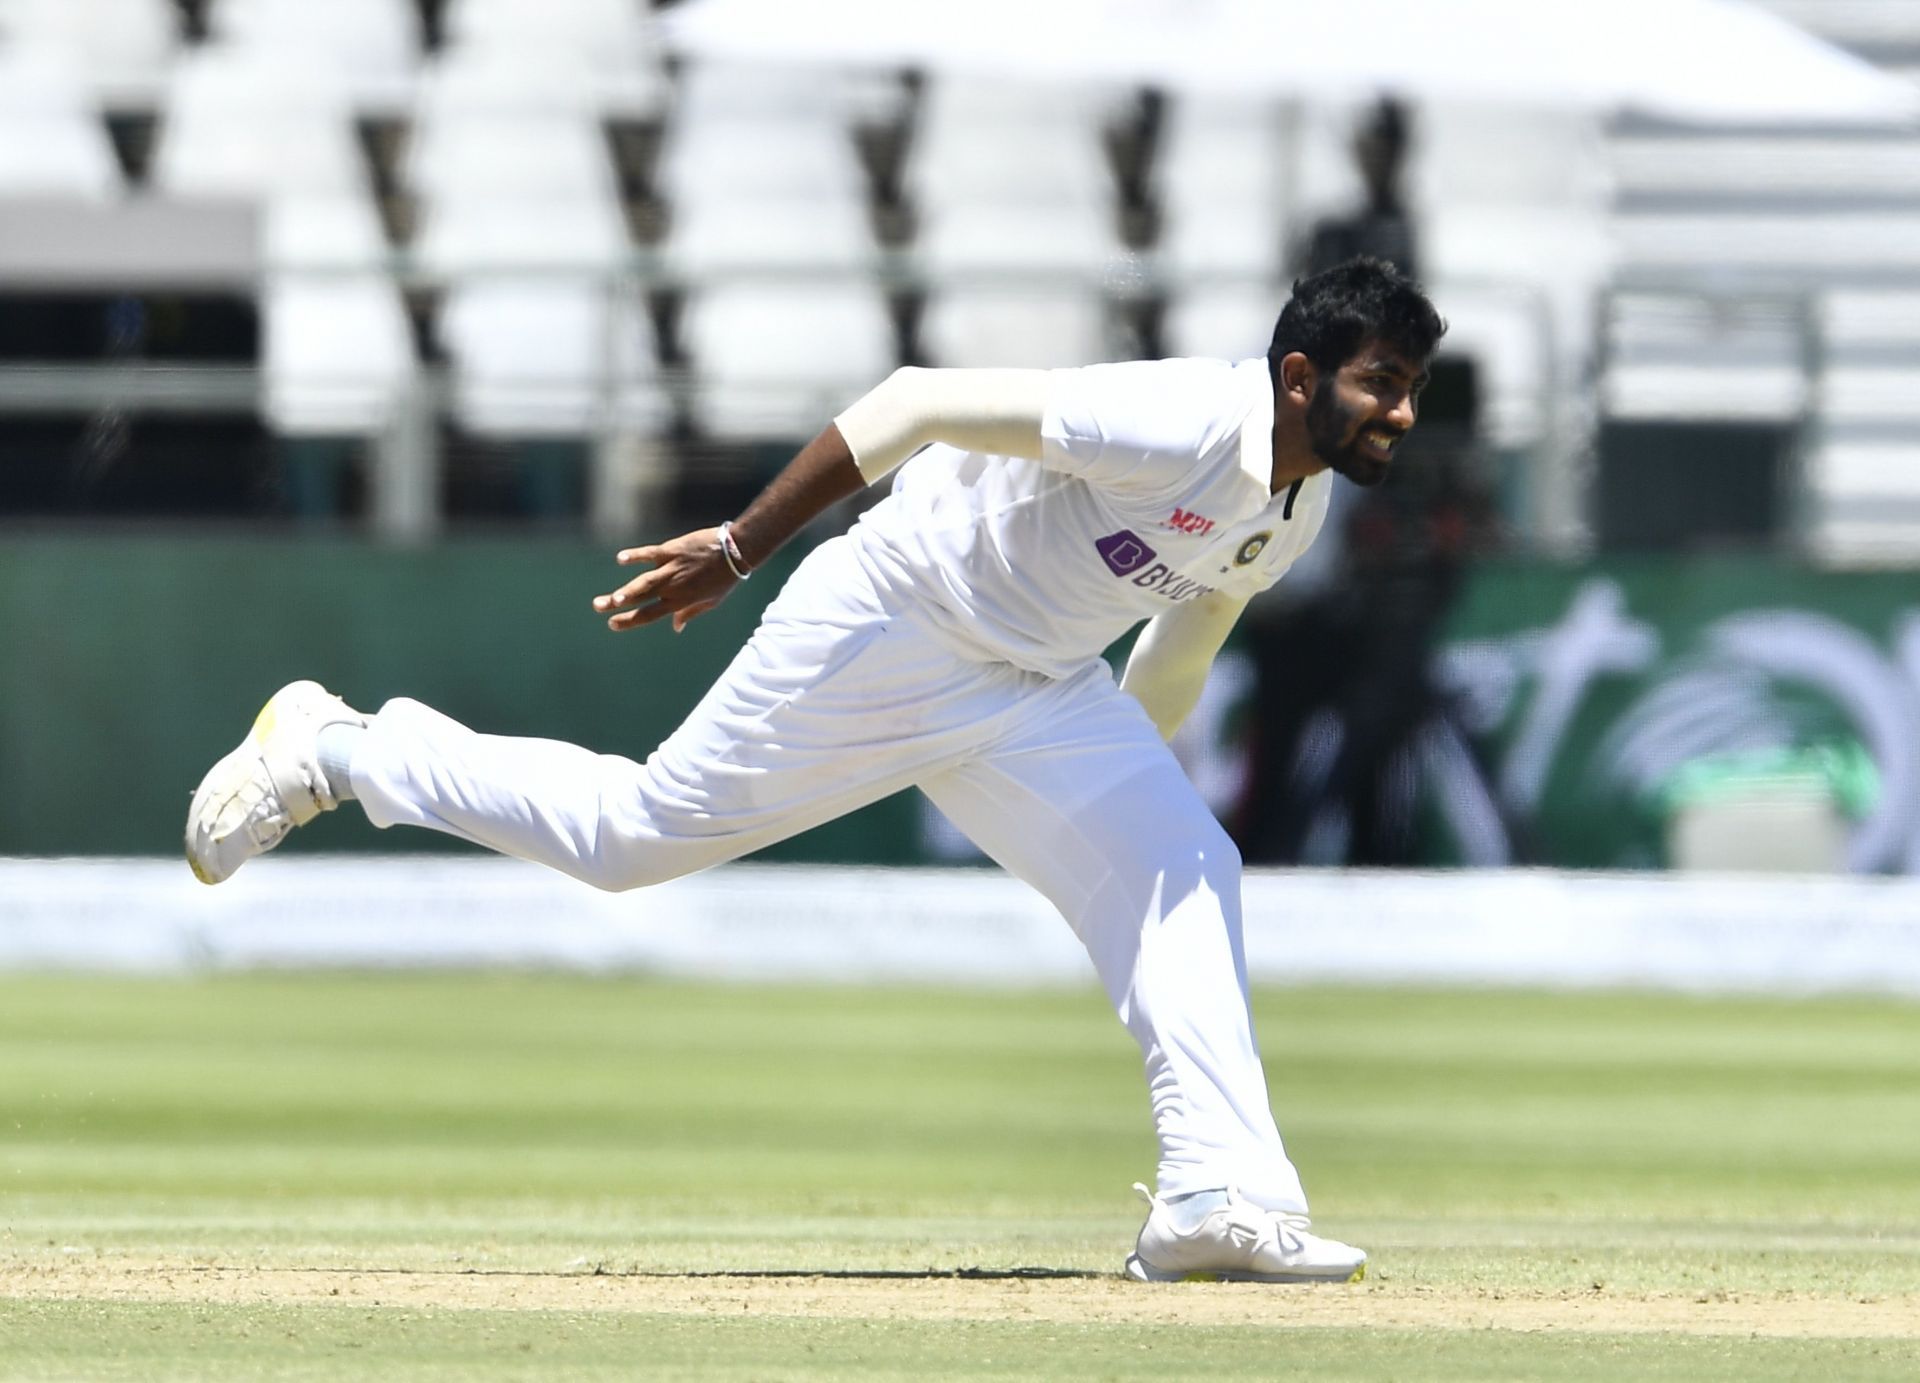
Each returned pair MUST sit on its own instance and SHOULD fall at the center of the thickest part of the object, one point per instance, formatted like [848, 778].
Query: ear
[1298, 377]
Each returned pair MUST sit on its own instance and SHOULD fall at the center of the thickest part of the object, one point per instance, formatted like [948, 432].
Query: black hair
[1337, 311]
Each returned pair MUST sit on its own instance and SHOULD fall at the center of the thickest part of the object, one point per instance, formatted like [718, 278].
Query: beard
[1328, 424]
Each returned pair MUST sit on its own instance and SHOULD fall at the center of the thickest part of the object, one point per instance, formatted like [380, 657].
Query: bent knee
[1208, 851]
[1204, 860]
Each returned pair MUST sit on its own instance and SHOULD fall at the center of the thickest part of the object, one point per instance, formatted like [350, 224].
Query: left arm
[996, 411]
[1168, 667]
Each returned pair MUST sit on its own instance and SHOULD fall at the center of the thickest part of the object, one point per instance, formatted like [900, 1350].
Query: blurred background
[346, 339]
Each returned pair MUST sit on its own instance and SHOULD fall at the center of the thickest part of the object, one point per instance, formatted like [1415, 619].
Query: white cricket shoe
[250, 799]
[1238, 1242]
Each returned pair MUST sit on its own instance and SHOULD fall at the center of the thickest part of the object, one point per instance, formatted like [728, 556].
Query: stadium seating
[545, 357]
[746, 194]
[251, 124]
[1006, 176]
[760, 171]
[1026, 327]
[1861, 467]
[120, 48]
[369, 47]
[1814, 232]
[338, 352]
[51, 140]
[528, 171]
[247, 121]
[510, 168]
[608, 54]
[1221, 181]
[1226, 321]
[777, 360]
[520, 222]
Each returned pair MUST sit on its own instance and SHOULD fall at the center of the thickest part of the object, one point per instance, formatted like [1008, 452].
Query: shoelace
[1248, 1223]
[267, 821]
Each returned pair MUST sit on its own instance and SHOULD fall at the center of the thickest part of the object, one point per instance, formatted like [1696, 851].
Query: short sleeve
[1140, 428]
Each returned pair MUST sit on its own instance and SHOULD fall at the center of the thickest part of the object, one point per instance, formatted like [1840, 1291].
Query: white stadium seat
[249, 121]
[121, 48]
[709, 90]
[764, 188]
[1024, 328]
[464, 236]
[583, 24]
[1019, 239]
[752, 156]
[1219, 177]
[337, 355]
[371, 47]
[512, 170]
[460, 83]
[997, 144]
[778, 360]
[548, 357]
[250, 124]
[52, 140]
[324, 233]
[555, 155]
[1223, 321]
[607, 46]
[710, 237]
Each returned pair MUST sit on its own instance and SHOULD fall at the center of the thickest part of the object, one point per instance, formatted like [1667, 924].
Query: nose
[1403, 412]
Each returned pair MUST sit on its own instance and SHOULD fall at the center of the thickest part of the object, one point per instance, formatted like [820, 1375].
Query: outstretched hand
[689, 577]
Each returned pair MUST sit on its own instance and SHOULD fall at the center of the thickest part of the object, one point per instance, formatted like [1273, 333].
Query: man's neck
[1293, 456]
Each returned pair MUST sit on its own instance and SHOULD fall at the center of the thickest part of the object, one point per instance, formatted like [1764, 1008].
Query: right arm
[993, 411]
[1168, 668]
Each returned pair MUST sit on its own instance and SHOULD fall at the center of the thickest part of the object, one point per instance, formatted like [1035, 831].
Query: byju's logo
[1123, 552]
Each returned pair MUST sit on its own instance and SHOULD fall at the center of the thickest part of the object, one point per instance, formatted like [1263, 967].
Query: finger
[633, 619]
[637, 589]
[685, 613]
[627, 556]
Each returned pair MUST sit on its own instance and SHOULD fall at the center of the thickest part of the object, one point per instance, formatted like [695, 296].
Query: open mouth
[1379, 442]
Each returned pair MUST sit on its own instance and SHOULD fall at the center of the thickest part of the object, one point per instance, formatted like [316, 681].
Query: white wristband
[730, 552]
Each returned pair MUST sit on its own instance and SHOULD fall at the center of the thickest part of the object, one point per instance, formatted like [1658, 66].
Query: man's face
[1358, 414]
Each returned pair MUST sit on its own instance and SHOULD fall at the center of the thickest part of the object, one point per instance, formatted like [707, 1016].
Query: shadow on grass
[839, 1274]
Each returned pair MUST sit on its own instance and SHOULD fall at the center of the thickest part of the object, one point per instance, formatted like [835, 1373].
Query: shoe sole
[221, 774]
[1141, 1271]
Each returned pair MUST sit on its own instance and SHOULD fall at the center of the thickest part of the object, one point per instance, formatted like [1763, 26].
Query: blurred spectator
[1343, 678]
[1382, 226]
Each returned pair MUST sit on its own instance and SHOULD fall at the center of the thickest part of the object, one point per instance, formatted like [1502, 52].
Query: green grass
[1476, 1143]
[147, 1343]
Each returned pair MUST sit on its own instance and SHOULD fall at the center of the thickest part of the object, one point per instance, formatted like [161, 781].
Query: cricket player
[952, 640]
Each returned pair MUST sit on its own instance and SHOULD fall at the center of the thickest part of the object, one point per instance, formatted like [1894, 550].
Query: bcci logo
[1251, 549]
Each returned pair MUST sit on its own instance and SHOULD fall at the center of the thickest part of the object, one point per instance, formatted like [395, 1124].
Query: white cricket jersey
[1153, 490]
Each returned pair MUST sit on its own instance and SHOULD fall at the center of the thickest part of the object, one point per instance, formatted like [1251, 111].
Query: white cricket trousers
[843, 697]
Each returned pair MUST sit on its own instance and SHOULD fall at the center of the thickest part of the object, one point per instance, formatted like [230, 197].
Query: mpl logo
[1123, 552]
[1184, 521]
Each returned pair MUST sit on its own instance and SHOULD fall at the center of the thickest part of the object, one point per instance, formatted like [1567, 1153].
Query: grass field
[506, 1176]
